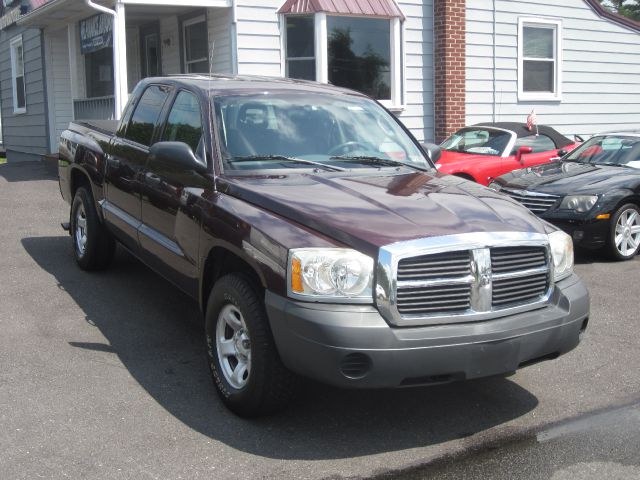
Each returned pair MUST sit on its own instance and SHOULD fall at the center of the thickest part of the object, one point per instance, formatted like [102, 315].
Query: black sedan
[592, 193]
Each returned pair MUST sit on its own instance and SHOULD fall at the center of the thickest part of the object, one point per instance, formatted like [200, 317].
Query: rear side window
[184, 123]
[146, 114]
[539, 143]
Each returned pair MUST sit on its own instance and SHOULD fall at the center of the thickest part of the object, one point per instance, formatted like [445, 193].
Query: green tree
[628, 8]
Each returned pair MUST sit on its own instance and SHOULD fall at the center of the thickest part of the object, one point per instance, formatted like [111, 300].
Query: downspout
[121, 93]
[234, 37]
[495, 82]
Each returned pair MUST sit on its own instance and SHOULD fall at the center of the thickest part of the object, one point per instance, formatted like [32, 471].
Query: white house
[436, 65]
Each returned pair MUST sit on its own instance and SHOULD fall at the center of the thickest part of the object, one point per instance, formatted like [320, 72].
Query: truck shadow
[156, 333]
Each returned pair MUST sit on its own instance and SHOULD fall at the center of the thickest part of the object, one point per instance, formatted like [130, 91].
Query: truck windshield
[310, 130]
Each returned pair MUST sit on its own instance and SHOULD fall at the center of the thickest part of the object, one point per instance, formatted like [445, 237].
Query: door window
[185, 123]
[539, 144]
[146, 115]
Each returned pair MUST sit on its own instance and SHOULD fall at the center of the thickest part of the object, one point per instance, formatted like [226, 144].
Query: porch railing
[97, 108]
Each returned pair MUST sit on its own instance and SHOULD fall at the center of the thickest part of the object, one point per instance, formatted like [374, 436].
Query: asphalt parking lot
[104, 376]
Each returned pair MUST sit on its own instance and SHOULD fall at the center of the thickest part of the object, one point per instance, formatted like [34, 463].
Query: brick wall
[450, 54]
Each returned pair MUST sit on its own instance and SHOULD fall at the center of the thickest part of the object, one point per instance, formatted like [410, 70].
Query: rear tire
[93, 245]
[624, 235]
[246, 368]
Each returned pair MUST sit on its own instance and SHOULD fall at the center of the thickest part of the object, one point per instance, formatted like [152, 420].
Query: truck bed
[107, 127]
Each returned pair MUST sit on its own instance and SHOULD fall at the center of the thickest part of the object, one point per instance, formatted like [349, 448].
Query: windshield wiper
[249, 158]
[374, 160]
[610, 164]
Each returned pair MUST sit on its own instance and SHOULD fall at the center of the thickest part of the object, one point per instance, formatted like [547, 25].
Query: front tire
[93, 245]
[246, 368]
[624, 237]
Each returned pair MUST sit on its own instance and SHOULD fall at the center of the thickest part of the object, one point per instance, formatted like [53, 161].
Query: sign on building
[96, 33]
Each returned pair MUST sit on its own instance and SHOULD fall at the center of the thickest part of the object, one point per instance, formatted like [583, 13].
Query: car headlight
[331, 274]
[579, 203]
[495, 186]
[562, 254]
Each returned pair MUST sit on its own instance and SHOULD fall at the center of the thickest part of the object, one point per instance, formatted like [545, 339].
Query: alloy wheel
[627, 234]
[81, 230]
[233, 346]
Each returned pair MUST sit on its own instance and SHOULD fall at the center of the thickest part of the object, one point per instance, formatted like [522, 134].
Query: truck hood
[567, 178]
[366, 212]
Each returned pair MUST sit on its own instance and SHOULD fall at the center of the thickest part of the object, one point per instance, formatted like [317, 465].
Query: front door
[169, 233]
[151, 51]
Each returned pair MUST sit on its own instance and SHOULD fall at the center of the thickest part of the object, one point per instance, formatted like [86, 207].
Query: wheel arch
[223, 260]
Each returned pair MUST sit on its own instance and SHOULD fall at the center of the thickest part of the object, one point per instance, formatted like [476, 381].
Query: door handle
[113, 162]
[152, 179]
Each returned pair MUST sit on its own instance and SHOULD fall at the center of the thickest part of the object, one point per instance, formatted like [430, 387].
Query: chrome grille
[432, 300]
[536, 202]
[520, 275]
[512, 259]
[444, 265]
[471, 283]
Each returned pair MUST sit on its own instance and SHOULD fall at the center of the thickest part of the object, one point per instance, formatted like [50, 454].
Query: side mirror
[523, 151]
[562, 152]
[433, 151]
[176, 155]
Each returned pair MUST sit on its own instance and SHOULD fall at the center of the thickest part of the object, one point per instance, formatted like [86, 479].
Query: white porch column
[72, 38]
[120, 60]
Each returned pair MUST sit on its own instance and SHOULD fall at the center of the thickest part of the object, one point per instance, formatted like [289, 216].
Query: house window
[196, 45]
[539, 59]
[360, 53]
[17, 76]
[301, 57]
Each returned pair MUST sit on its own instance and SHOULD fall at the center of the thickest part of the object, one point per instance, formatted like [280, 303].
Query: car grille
[436, 298]
[536, 202]
[472, 281]
[531, 280]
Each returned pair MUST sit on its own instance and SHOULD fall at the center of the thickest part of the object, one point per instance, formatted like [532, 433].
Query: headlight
[562, 254]
[330, 274]
[495, 186]
[579, 203]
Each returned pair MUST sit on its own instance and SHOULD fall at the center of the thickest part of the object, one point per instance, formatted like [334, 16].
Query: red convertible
[485, 151]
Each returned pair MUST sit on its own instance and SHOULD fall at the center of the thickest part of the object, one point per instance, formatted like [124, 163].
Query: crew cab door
[125, 163]
[543, 150]
[170, 229]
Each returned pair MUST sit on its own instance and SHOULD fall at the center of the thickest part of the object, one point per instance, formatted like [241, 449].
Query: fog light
[578, 235]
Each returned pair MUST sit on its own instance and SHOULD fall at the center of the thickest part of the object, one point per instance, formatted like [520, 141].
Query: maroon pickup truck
[318, 238]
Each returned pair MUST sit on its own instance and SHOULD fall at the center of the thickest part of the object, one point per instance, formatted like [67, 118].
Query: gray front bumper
[323, 341]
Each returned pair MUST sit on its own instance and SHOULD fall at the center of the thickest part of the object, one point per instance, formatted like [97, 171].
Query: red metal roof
[378, 8]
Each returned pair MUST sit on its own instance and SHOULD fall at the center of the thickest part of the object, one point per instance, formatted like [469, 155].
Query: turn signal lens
[604, 216]
[296, 276]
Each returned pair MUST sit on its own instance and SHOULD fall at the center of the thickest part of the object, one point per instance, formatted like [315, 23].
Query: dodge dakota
[318, 239]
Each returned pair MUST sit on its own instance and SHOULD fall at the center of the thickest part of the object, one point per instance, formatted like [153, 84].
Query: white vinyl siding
[600, 67]
[25, 135]
[219, 20]
[259, 52]
[58, 87]
[170, 45]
